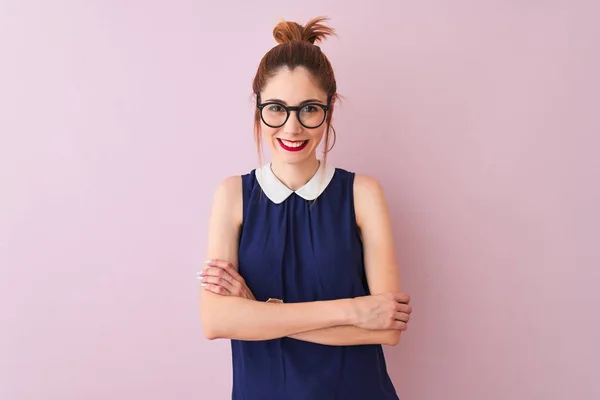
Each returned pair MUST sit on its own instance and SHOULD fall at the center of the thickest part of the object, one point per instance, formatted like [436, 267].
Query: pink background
[118, 118]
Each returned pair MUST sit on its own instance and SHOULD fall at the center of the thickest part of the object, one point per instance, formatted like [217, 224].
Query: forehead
[293, 86]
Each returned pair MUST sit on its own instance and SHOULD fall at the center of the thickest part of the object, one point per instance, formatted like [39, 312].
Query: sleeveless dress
[302, 246]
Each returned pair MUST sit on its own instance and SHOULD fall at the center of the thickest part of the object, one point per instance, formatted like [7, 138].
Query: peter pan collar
[277, 192]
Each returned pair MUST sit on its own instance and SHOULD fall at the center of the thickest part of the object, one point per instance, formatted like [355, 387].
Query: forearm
[237, 318]
[348, 335]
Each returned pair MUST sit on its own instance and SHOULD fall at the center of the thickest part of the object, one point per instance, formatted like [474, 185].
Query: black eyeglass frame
[288, 109]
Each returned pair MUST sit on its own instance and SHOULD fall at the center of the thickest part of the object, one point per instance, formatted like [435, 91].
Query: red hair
[296, 48]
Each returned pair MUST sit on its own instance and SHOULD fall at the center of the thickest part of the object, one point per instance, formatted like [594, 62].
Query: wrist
[350, 314]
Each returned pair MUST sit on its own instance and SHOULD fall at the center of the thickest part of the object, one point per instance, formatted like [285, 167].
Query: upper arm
[223, 233]
[373, 220]
[225, 221]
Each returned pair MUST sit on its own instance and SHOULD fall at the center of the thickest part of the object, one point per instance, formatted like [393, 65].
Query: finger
[217, 272]
[216, 289]
[226, 266]
[217, 281]
[406, 308]
[399, 326]
[402, 298]
[217, 262]
[401, 316]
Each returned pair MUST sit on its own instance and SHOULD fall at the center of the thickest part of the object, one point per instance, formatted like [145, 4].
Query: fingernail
[207, 261]
[203, 284]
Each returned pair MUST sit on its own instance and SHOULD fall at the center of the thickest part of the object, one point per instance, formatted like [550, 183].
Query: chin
[289, 157]
[293, 159]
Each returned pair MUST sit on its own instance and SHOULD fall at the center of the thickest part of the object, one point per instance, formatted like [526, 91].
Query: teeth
[292, 144]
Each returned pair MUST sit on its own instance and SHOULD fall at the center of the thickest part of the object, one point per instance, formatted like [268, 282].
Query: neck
[294, 176]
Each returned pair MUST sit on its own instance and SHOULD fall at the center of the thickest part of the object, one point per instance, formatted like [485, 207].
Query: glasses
[310, 115]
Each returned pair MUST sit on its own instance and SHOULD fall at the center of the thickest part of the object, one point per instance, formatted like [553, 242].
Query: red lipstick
[295, 148]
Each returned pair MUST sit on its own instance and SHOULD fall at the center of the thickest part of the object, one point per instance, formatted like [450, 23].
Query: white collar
[277, 192]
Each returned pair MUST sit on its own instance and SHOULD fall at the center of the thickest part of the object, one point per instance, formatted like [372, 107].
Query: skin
[228, 307]
[294, 169]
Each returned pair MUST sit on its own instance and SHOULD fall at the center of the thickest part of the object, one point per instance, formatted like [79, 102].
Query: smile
[292, 145]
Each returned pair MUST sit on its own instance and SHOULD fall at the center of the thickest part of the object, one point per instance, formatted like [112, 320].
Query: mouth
[292, 145]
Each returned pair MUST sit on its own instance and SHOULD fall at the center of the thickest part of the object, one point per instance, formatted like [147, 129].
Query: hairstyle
[296, 47]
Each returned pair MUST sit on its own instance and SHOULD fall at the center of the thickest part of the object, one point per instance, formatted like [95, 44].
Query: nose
[292, 125]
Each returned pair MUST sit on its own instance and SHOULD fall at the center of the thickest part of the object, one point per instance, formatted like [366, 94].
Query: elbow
[393, 338]
[211, 329]
[212, 325]
[210, 334]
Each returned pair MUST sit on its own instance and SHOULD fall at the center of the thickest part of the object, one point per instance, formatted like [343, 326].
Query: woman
[302, 275]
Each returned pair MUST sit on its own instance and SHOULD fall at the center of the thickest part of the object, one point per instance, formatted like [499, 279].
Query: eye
[310, 108]
[275, 108]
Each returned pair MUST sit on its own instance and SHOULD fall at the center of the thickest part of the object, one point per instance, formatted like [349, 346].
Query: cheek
[317, 136]
[267, 133]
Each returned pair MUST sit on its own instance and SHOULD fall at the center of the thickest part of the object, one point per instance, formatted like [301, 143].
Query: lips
[292, 145]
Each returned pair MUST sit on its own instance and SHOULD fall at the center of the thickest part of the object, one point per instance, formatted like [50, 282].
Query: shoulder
[234, 185]
[369, 197]
[229, 188]
[362, 184]
[366, 185]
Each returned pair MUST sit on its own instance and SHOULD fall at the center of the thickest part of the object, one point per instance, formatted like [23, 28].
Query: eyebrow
[301, 103]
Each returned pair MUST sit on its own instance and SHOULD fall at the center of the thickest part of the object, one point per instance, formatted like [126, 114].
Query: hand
[383, 311]
[221, 277]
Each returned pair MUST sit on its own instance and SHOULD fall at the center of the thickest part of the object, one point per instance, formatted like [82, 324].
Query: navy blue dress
[304, 246]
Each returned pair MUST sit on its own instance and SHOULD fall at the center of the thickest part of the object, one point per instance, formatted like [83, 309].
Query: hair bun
[313, 32]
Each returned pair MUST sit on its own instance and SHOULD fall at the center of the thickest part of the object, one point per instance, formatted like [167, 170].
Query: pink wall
[118, 118]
